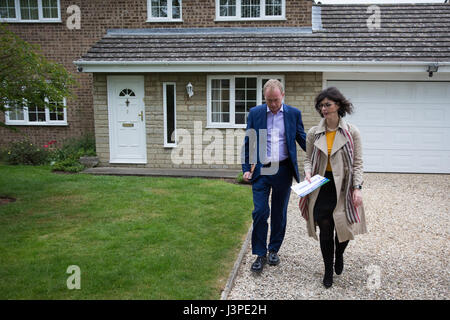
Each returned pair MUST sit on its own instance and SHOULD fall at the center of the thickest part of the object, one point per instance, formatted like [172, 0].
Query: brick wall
[301, 89]
[64, 46]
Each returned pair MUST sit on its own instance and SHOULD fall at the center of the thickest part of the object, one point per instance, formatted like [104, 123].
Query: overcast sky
[377, 1]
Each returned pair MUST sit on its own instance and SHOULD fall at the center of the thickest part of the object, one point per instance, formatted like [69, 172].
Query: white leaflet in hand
[304, 188]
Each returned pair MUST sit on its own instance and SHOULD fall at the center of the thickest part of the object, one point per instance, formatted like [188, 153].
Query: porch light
[190, 89]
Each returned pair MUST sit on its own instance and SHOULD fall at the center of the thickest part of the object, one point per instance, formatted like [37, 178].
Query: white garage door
[405, 126]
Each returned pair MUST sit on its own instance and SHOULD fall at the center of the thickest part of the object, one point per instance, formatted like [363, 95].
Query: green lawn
[132, 237]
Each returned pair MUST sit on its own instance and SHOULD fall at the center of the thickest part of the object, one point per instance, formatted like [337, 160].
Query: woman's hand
[357, 197]
[308, 176]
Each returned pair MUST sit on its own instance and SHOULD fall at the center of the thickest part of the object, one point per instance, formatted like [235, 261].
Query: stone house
[168, 84]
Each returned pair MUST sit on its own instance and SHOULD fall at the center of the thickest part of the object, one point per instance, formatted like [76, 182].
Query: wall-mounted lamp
[190, 89]
[432, 68]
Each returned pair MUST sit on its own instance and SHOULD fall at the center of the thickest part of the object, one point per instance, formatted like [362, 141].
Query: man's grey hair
[273, 84]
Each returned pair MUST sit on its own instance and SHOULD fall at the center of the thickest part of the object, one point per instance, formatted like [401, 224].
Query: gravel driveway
[404, 255]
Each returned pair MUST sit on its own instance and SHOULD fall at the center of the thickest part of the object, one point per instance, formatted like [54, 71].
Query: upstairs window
[7, 9]
[235, 10]
[164, 10]
[30, 11]
[50, 9]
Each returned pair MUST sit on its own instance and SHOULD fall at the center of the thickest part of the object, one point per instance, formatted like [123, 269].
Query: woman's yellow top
[330, 139]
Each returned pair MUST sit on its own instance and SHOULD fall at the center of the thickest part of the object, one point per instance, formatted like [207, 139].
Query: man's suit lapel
[263, 117]
[287, 125]
[261, 124]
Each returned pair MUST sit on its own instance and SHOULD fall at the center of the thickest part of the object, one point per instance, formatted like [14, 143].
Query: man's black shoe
[259, 263]
[273, 258]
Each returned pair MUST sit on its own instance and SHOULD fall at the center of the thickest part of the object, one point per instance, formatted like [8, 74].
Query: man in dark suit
[269, 163]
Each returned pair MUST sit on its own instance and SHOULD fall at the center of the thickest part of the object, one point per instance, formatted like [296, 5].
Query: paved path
[200, 173]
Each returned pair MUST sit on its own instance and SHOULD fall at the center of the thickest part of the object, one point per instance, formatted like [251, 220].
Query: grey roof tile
[417, 32]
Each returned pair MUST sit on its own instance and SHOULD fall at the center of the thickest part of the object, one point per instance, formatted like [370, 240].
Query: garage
[405, 125]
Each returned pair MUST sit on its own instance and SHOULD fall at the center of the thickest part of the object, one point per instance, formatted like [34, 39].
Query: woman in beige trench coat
[333, 150]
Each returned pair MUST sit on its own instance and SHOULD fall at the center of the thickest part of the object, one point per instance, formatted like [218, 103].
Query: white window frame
[259, 98]
[169, 17]
[165, 84]
[18, 17]
[27, 122]
[262, 11]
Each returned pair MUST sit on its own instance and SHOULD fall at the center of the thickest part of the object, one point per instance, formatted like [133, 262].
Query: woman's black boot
[327, 248]
[339, 262]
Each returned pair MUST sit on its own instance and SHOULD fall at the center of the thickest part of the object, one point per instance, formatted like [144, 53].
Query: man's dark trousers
[280, 184]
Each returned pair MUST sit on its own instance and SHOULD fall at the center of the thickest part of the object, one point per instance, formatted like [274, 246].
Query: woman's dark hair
[333, 94]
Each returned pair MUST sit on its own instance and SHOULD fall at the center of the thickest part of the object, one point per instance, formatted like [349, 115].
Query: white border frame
[41, 19]
[165, 84]
[262, 17]
[231, 124]
[169, 13]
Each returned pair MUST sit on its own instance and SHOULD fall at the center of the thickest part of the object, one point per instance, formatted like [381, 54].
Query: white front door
[126, 111]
